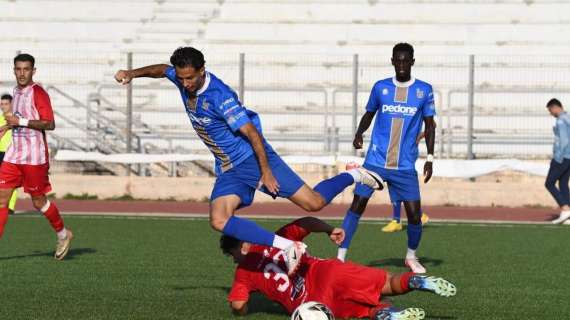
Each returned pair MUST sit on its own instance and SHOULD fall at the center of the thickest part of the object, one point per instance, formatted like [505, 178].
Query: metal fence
[488, 106]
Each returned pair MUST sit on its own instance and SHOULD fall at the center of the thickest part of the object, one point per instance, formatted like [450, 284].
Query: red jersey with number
[348, 289]
[264, 270]
[29, 146]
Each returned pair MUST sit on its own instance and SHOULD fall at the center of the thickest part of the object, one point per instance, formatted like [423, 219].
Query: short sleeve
[240, 290]
[43, 104]
[292, 231]
[232, 111]
[428, 108]
[373, 103]
[170, 73]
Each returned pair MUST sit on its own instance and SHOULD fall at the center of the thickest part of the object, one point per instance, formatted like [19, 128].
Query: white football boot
[294, 254]
[564, 215]
[415, 265]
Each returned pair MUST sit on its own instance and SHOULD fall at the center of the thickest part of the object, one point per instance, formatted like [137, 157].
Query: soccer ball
[312, 311]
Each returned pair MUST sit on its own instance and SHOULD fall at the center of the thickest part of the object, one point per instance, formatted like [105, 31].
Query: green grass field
[142, 268]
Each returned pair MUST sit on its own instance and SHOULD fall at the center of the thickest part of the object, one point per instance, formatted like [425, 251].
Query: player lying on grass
[348, 289]
[245, 161]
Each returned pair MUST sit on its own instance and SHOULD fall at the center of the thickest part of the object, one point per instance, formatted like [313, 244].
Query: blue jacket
[562, 138]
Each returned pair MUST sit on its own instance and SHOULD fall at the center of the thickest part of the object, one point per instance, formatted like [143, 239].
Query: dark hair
[228, 243]
[187, 56]
[403, 47]
[554, 102]
[25, 57]
[6, 96]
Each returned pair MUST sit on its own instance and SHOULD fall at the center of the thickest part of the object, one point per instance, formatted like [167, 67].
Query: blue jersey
[216, 115]
[401, 108]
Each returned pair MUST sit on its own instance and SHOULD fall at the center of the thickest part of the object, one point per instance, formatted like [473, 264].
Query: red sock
[52, 214]
[405, 281]
[3, 219]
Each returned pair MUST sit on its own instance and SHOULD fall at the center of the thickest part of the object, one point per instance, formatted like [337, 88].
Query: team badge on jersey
[385, 92]
[205, 105]
[420, 93]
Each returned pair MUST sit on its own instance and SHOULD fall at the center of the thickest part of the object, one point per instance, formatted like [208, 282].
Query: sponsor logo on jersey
[227, 101]
[203, 121]
[398, 108]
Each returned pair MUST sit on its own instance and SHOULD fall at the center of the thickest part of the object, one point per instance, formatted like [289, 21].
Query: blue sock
[330, 188]
[350, 224]
[249, 231]
[397, 208]
[414, 235]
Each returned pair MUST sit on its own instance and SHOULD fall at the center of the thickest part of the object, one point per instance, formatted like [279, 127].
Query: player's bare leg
[5, 195]
[222, 219]
[50, 211]
[314, 199]
[414, 230]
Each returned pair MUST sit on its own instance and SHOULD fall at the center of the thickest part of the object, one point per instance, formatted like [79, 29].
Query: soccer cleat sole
[410, 314]
[375, 177]
[440, 286]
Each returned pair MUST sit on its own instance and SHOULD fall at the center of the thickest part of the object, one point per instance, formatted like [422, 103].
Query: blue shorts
[243, 180]
[403, 185]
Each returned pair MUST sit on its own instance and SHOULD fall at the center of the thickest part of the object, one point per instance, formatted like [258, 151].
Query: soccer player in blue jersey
[400, 103]
[395, 225]
[244, 161]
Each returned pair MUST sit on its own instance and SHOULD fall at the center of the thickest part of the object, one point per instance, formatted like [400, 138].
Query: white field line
[203, 216]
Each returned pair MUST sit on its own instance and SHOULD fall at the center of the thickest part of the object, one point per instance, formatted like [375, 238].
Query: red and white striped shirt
[29, 146]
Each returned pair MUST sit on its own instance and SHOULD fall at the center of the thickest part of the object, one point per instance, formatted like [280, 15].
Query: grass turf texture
[141, 268]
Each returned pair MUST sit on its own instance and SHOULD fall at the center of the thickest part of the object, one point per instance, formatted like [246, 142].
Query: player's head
[555, 107]
[234, 247]
[6, 102]
[189, 65]
[403, 60]
[24, 69]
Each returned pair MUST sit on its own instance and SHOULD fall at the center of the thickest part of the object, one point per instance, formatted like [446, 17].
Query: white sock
[411, 254]
[341, 255]
[62, 234]
[281, 243]
[356, 175]
[45, 207]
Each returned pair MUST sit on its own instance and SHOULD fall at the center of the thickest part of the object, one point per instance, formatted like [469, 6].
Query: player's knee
[549, 184]
[313, 206]
[218, 223]
[39, 203]
[415, 219]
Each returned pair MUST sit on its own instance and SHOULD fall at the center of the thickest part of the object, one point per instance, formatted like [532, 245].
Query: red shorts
[349, 290]
[34, 178]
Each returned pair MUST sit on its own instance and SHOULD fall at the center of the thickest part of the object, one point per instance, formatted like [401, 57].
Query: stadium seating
[298, 67]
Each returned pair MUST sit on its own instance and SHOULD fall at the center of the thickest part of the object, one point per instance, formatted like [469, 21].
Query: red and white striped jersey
[29, 146]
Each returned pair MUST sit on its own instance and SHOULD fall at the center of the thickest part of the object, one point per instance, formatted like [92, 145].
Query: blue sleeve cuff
[239, 122]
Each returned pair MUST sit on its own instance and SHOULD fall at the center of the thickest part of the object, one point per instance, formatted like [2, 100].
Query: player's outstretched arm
[239, 308]
[430, 145]
[256, 141]
[364, 124]
[313, 224]
[152, 71]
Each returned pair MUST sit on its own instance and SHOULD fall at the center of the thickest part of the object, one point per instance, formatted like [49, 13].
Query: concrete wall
[505, 189]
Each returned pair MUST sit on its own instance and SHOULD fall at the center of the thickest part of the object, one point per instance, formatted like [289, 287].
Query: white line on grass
[364, 220]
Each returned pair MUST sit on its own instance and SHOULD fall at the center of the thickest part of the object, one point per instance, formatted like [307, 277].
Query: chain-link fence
[309, 104]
